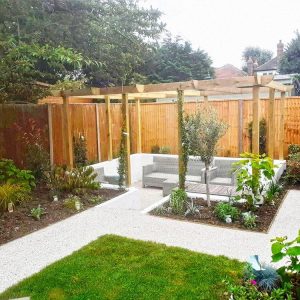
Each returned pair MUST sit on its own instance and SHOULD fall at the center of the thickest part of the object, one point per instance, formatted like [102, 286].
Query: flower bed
[20, 222]
[207, 215]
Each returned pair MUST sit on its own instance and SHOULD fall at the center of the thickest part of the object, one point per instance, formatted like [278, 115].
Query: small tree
[204, 130]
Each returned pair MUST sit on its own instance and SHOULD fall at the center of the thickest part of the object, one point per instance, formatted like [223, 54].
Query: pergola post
[125, 110]
[255, 123]
[67, 134]
[181, 166]
[271, 123]
[109, 135]
[281, 124]
[139, 125]
[241, 125]
[50, 126]
[205, 101]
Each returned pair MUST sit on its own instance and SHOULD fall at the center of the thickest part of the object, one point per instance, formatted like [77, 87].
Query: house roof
[228, 71]
[272, 64]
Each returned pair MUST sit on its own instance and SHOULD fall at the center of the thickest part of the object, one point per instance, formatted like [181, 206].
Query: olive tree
[204, 130]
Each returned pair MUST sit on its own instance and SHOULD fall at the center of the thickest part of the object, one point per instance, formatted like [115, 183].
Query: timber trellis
[156, 123]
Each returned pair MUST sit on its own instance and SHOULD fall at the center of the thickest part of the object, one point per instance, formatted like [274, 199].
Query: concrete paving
[28, 255]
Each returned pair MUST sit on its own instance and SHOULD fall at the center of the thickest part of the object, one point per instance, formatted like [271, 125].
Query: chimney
[280, 47]
[250, 67]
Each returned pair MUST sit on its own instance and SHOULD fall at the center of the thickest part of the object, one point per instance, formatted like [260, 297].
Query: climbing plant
[123, 165]
[262, 135]
[183, 155]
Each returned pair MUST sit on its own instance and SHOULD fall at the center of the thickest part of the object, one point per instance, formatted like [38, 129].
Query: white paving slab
[28, 255]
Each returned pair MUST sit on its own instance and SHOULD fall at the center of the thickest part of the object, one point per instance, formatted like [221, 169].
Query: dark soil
[19, 223]
[265, 215]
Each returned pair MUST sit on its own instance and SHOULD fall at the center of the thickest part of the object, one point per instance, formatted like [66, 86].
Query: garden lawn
[114, 267]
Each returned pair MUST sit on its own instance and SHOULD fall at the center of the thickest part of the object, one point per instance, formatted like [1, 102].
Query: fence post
[139, 126]
[50, 130]
[67, 134]
[271, 123]
[241, 126]
[108, 114]
[98, 133]
[281, 124]
[255, 124]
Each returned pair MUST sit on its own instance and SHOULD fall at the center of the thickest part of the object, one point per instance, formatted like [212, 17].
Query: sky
[223, 28]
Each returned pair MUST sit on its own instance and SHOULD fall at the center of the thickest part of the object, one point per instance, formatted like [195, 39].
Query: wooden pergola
[195, 88]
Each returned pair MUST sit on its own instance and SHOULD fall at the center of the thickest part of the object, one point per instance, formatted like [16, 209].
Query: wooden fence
[158, 123]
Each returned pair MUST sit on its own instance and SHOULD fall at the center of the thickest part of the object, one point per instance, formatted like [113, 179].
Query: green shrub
[273, 191]
[12, 194]
[37, 212]
[165, 150]
[73, 202]
[36, 153]
[282, 249]
[80, 151]
[293, 149]
[250, 174]
[9, 173]
[37, 160]
[63, 180]
[178, 199]
[293, 168]
[224, 209]
[250, 291]
[249, 219]
[155, 149]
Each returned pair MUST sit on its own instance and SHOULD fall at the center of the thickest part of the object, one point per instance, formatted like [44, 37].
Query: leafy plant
[32, 137]
[250, 291]
[178, 199]
[249, 219]
[73, 202]
[191, 209]
[155, 149]
[224, 209]
[80, 151]
[252, 173]
[9, 173]
[267, 278]
[293, 149]
[273, 191]
[61, 179]
[12, 194]
[37, 212]
[96, 199]
[165, 150]
[293, 168]
[282, 248]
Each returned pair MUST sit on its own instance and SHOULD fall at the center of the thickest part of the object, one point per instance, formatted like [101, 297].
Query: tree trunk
[207, 185]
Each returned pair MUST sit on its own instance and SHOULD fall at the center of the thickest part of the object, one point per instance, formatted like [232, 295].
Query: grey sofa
[222, 173]
[163, 173]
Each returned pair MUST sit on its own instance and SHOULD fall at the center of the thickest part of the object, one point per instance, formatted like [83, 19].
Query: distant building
[271, 67]
[228, 71]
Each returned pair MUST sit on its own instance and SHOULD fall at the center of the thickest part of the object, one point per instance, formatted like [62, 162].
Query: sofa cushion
[192, 178]
[221, 180]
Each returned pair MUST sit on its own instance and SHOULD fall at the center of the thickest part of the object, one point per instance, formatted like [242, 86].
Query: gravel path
[28, 255]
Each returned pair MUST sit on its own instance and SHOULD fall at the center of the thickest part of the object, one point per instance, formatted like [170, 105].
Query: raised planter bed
[265, 214]
[19, 223]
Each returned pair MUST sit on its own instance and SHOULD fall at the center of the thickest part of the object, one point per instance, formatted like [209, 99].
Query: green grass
[113, 267]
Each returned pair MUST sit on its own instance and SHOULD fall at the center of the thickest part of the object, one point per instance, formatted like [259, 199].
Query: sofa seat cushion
[221, 180]
[160, 175]
[193, 178]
